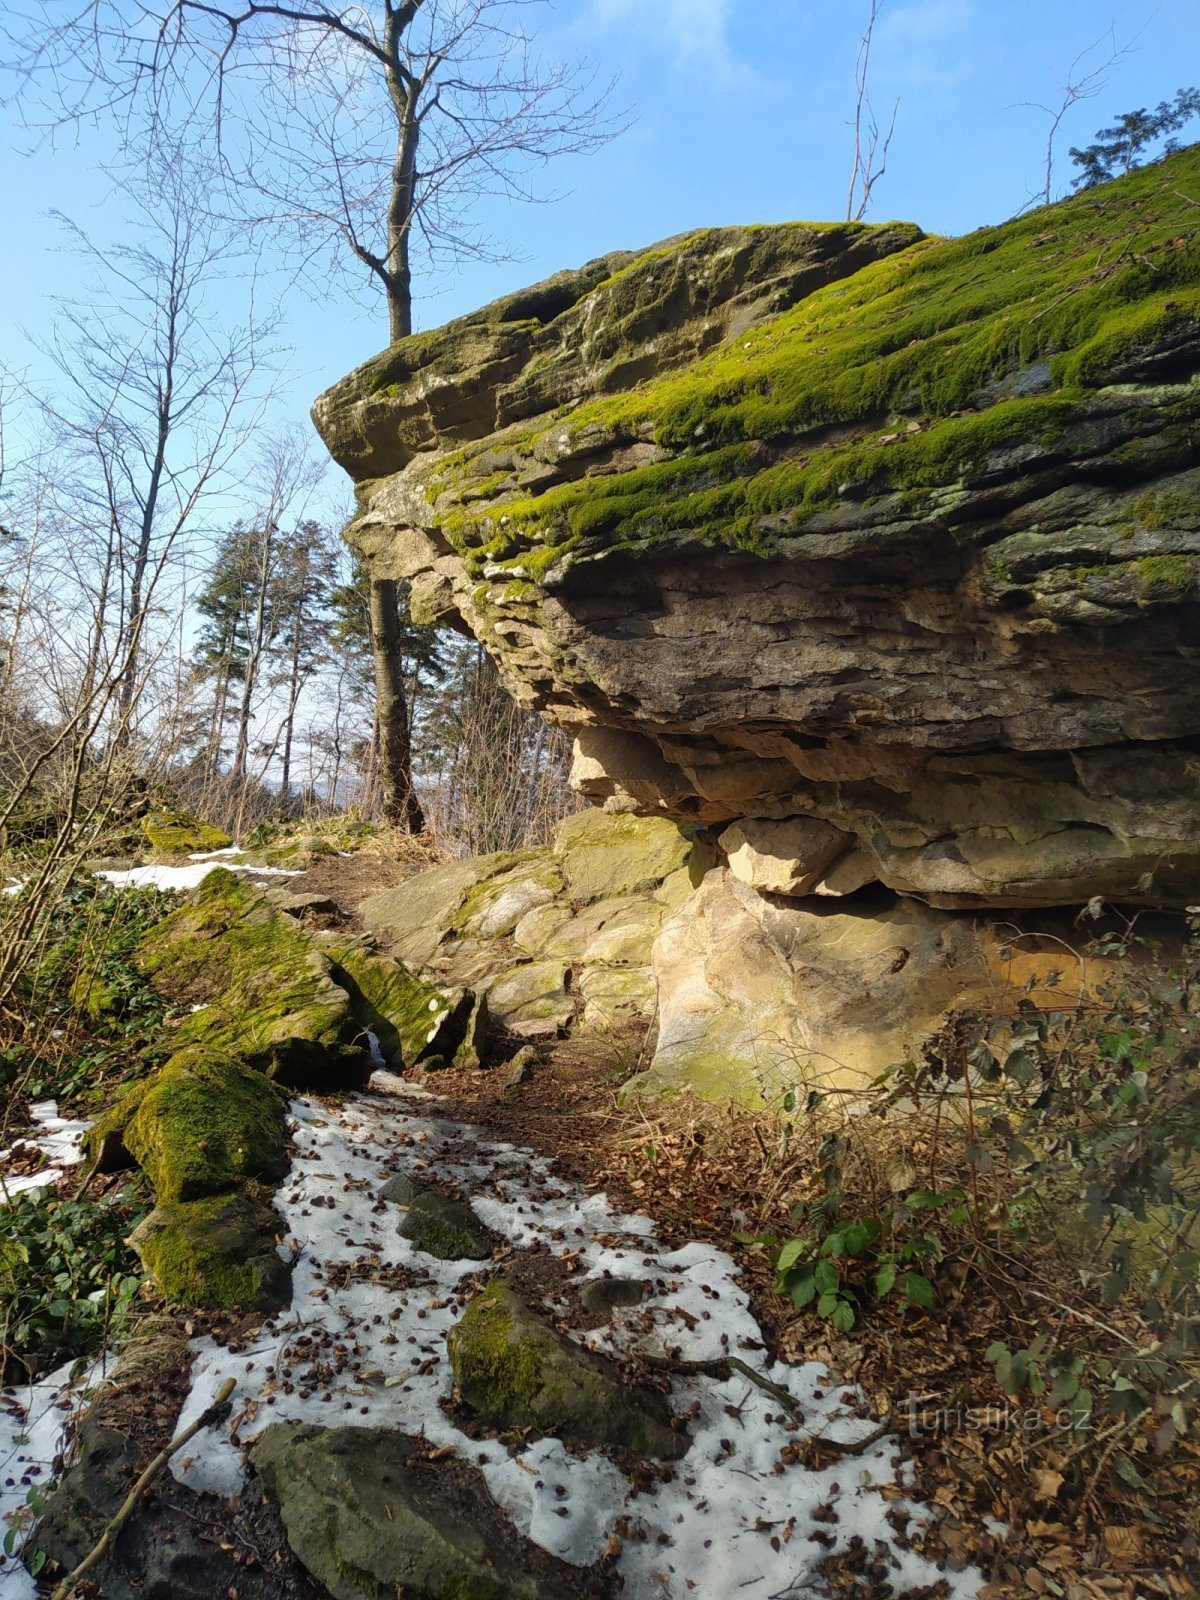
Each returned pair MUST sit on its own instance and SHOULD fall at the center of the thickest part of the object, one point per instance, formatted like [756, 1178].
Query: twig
[128, 1506]
[722, 1367]
[860, 1446]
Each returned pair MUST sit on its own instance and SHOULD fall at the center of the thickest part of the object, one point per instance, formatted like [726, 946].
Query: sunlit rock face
[879, 554]
[873, 557]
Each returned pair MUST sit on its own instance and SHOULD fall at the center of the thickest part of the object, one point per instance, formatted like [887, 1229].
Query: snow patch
[179, 878]
[363, 1343]
[34, 1419]
[56, 1138]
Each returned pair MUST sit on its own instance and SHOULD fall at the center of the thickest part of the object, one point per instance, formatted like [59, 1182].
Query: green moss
[176, 833]
[204, 1125]
[1064, 298]
[491, 1358]
[217, 1254]
[411, 1017]
[268, 996]
[1165, 510]
[1179, 575]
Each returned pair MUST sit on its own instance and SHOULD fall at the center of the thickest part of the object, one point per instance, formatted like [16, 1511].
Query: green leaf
[885, 1279]
[804, 1290]
[918, 1290]
[790, 1254]
[827, 1276]
[843, 1316]
[828, 1304]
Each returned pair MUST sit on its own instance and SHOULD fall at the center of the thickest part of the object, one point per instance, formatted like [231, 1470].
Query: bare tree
[1081, 83]
[871, 145]
[362, 129]
[151, 405]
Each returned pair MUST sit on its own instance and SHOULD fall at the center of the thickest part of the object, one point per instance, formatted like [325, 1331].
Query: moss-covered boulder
[517, 1372]
[201, 1125]
[447, 1229]
[896, 564]
[173, 833]
[412, 1018]
[370, 1515]
[266, 996]
[218, 1253]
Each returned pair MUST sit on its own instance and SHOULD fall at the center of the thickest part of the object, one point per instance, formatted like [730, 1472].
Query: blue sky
[740, 113]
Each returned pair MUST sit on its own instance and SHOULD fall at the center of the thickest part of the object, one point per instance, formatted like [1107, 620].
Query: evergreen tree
[1132, 138]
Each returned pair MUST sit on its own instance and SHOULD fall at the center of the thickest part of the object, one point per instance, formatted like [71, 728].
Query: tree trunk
[401, 807]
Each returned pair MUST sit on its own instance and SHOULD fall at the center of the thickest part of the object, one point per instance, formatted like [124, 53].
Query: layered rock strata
[891, 541]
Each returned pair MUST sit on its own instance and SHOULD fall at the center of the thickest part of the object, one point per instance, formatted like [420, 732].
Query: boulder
[447, 1229]
[368, 1514]
[171, 833]
[608, 857]
[583, 914]
[201, 1125]
[217, 1253]
[514, 1370]
[266, 995]
[897, 536]
[532, 1000]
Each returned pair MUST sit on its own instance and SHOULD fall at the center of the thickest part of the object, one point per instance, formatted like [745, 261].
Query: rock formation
[876, 556]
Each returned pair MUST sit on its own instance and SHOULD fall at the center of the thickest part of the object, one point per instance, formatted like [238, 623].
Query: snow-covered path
[364, 1343]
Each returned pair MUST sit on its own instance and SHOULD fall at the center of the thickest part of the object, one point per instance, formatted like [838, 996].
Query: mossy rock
[412, 1017]
[268, 996]
[298, 853]
[991, 344]
[605, 857]
[532, 1000]
[216, 1254]
[177, 833]
[518, 1373]
[204, 1125]
[447, 1229]
[370, 1516]
[98, 999]
[414, 918]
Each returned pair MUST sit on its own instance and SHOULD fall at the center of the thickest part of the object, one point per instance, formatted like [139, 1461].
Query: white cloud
[693, 32]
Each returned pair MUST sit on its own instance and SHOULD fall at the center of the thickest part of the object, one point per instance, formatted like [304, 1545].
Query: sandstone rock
[758, 996]
[368, 1516]
[917, 557]
[517, 1372]
[411, 1017]
[532, 1000]
[200, 1125]
[613, 995]
[172, 833]
[605, 857]
[790, 857]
